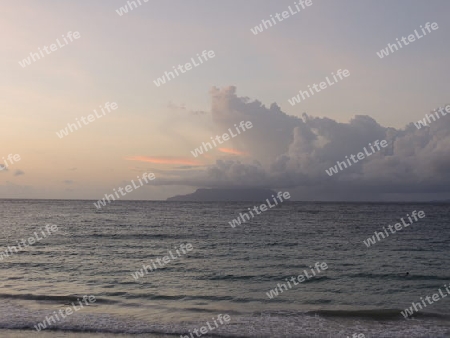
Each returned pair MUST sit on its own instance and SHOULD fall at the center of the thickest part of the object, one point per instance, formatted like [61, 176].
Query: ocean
[228, 271]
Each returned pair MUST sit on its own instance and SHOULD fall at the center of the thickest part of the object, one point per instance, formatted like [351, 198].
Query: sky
[117, 59]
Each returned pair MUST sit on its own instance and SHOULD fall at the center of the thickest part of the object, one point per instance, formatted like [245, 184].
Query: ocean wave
[375, 314]
[265, 325]
[59, 299]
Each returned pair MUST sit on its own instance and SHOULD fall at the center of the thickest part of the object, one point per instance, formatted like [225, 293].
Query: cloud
[19, 172]
[293, 153]
[185, 167]
[165, 160]
[232, 151]
[183, 108]
[3, 168]
[68, 182]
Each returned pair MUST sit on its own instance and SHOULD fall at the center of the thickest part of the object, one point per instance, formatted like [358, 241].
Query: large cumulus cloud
[291, 152]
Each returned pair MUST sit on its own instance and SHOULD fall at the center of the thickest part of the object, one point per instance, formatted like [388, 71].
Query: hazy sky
[117, 58]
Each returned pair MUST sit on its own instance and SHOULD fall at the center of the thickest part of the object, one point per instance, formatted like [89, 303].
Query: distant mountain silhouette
[222, 195]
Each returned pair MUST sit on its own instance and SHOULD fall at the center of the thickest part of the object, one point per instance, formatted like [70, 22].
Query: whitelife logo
[423, 123]
[262, 207]
[51, 228]
[11, 158]
[146, 177]
[411, 38]
[360, 155]
[244, 126]
[301, 278]
[90, 118]
[266, 24]
[417, 306]
[204, 330]
[52, 319]
[53, 47]
[188, 66]
[398, 226]
[303, 95]
[162, 261]
[124, 10]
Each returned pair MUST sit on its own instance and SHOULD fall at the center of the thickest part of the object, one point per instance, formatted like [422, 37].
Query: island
[225, 195]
